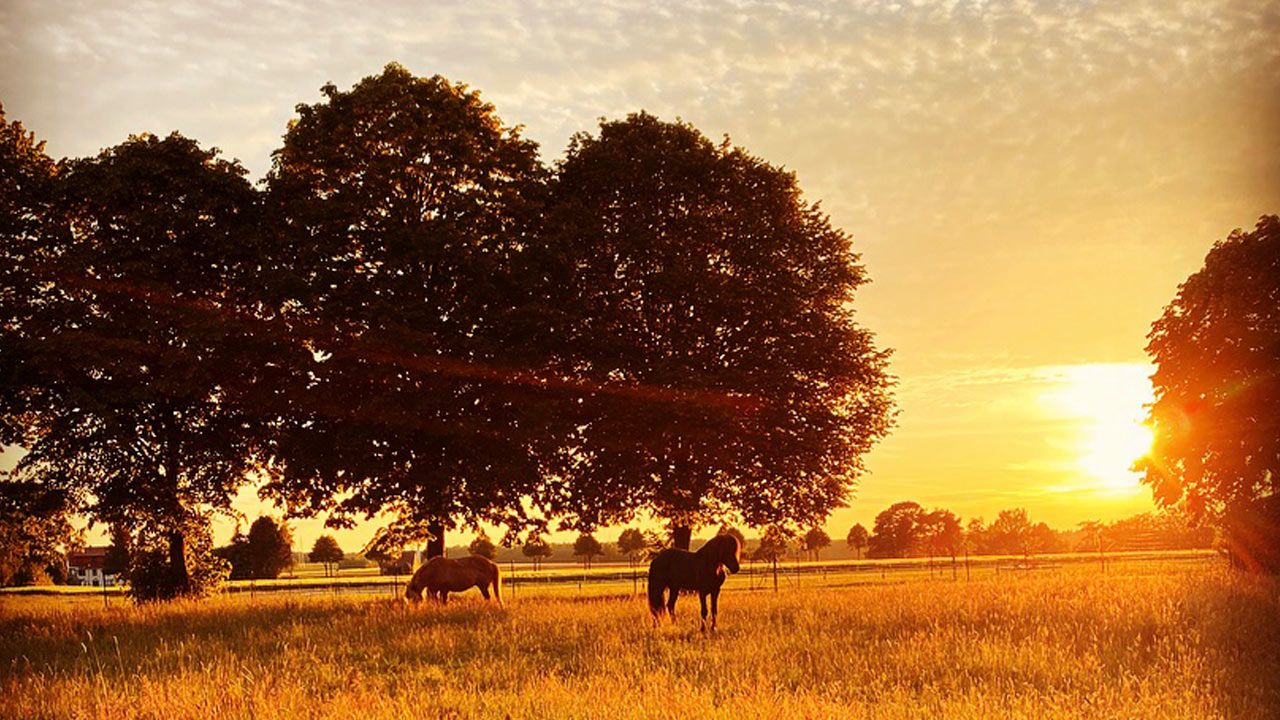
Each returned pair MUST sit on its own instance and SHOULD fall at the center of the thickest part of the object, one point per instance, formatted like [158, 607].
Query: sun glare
[1107, 400]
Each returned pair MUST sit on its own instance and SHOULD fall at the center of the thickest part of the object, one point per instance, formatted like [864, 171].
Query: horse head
[413, 591]
[730, 553]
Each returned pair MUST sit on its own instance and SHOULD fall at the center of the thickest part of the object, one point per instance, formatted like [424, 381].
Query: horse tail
[497, 583]
[657, 586]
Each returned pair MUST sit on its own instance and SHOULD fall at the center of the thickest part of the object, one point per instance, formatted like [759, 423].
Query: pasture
[1184, 642]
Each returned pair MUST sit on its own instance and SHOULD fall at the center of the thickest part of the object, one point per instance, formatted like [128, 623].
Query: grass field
[1181, 643]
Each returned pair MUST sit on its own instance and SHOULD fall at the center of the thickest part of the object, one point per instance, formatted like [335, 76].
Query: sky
[1027, 182]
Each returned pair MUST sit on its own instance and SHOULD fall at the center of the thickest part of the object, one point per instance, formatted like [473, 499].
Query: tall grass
[1200, 644]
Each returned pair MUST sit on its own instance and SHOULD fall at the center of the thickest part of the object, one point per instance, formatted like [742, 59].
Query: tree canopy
[707, 316]
[857, 538]
[1216, 349]
[269, 548]
[897, 530]
[125, 357]
[326, 551]
[406, 202]
[483, 546]
[815, 541]
[587, 547]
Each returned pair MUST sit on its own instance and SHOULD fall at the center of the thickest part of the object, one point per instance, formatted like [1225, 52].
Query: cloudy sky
[1027, 181]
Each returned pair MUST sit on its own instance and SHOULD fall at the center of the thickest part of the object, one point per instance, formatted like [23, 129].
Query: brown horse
[441, 576]
[675, 570]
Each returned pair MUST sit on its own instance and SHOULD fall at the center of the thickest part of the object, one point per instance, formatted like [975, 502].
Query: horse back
[678, 568]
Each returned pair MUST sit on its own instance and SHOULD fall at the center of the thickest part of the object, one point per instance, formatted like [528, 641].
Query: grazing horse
[441, 576]
[675, 570]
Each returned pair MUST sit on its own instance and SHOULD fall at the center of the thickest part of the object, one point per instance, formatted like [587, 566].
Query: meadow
[1184, 642]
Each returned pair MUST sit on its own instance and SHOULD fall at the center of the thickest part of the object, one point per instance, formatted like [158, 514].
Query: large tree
[27, 177]
[406, 204]
[708, 327]
[126, 359]
[1217, 387]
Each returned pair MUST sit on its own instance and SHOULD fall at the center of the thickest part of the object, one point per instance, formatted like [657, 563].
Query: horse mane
[715, 550]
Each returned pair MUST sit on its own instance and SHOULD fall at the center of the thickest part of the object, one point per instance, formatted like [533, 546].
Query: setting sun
[1108, 401]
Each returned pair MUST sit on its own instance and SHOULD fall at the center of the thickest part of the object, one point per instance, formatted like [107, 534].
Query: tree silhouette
[773, 544]
[28, 239]
[857, 539]
[632, 543]
[269, 548]
[897, 530]
[1217, 432]
[538, 549]
[706, 315]
[406, 203]
[127, 367]
[587, 547]
[483, 546]
[1010, 534]
[327, 552]
[940, 533]
[815, 540]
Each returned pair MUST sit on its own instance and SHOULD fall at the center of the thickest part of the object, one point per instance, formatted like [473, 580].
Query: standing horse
[675, 570]
[441, 576]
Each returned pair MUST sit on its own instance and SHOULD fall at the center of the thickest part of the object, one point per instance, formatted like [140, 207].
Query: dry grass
[1199, 644]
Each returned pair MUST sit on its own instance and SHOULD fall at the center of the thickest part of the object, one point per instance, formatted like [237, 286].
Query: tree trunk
[680, 536]
[178, 562]
[435, 546]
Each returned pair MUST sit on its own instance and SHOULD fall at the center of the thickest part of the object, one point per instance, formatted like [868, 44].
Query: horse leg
[671, 603]
[484, 591]
[702, 598]
[715, 606]
[444, 597]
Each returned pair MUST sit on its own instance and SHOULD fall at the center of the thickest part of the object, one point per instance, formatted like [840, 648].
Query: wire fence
[521, 581]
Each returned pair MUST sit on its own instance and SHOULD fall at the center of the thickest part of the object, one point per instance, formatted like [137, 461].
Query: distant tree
[975, 537]
[126, 368]
[815, 540]
[386, 548]
[773, 544]
[706, 310]
[1045, 539]
[897, 530]
[1011, 533]
[656, 541]
[1217, 432]
[587, 547]
[236, 554]
[35, 532]
[538, 549]
[1094, 532]
[270, 548]
[408, 204]
[857, 539]
[483, 546]
[326, 552]
[632, 544]
[940, 531]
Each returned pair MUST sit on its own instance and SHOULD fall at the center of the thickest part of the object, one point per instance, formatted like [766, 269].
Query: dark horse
[675, 570]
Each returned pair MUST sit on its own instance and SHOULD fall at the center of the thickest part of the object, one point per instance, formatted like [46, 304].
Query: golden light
[1107, 401]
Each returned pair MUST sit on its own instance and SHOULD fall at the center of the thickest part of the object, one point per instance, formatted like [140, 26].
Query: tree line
[413, 315]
